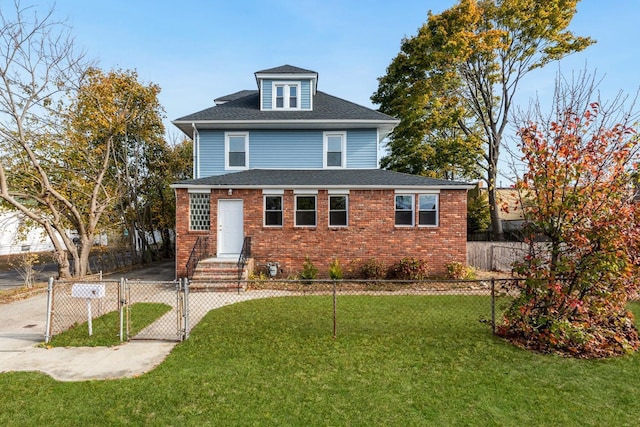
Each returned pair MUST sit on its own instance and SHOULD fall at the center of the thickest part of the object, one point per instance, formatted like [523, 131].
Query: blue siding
[362, 149]
[287, 149]
[280, 149]
[267, 92]
[305, 94]
[211, 153]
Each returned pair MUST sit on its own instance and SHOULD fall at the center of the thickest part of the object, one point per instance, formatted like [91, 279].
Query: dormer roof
[287, 72]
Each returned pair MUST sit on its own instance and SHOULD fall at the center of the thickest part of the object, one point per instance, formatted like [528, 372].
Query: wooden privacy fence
[495, 256]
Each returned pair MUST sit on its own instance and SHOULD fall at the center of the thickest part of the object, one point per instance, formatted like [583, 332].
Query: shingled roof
[241, 110]
[322, 178]
[286, 69]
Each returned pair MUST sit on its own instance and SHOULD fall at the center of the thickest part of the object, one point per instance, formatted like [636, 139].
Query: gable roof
[322, 178]
[242, 110]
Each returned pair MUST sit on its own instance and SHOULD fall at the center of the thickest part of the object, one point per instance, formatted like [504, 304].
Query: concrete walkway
[22, 327]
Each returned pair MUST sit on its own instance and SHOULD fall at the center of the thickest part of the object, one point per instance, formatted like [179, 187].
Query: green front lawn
[106, 328]
[403, 360]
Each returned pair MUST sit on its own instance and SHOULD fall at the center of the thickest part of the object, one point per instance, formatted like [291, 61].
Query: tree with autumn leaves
[583, 231]
[453, 83]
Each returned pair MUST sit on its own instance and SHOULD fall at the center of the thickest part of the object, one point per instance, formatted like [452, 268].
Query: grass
[106, 328]
[404, 360]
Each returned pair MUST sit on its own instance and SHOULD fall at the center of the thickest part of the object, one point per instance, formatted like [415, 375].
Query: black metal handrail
[245, 254]
[200, 250]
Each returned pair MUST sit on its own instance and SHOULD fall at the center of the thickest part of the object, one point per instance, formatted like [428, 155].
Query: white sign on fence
[89, 292]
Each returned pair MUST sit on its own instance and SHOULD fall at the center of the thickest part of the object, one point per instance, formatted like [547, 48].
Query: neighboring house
[296, 171]
[17, 235]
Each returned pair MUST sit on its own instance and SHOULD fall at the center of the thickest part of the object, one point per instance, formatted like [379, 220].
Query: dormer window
[285, 95]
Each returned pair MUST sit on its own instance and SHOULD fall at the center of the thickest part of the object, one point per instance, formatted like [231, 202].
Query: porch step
[217, 275]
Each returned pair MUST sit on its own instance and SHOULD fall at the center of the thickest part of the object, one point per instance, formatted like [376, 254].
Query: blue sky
[198, 50]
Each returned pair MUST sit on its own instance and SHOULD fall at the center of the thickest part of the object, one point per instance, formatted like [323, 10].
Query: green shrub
[309, 271]
[373, 269]
[335, 270]
[409, 269]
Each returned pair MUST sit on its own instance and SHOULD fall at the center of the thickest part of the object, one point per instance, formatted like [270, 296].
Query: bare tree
[38, 66]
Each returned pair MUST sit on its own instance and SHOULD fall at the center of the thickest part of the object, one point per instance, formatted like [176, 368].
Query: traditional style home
[287, 172]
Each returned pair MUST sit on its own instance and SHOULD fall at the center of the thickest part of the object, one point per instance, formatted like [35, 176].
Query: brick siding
[371, 232]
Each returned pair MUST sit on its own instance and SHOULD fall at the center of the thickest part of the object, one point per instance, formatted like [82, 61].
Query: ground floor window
[199, 211]
[305, 211]
[428, 209]
[273, 211]
[338, 212]
[404, 209]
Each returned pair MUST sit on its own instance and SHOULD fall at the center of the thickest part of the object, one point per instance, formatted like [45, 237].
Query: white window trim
[437, 224]
[413, 210]
[287, 85]
[264, 209]
[295, 210]
[227, 135]
[329, 196]
[325, 149]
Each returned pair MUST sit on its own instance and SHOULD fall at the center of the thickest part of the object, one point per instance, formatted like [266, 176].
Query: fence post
[121, 303]
[186, 308]
[335, 301]
[47, 328]
[493, 306]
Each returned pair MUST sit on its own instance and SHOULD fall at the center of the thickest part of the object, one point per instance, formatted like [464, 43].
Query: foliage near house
[75, 138]
[452, 84]
[580, 204]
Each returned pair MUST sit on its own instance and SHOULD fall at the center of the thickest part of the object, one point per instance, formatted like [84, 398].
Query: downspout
[196, 152]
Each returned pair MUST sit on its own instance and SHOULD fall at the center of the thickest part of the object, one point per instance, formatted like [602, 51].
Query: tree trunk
[494, 209]
[60, 256]
[82, 262]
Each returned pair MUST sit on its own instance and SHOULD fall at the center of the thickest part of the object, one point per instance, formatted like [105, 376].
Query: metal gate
[165, 304]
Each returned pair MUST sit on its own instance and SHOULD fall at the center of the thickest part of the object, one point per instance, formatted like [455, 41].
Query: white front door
[230, 228]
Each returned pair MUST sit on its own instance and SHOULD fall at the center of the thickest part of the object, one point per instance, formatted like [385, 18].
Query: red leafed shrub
[583, 233]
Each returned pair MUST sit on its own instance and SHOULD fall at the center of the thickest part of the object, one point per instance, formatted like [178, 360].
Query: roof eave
[187, 126]
[327, 187]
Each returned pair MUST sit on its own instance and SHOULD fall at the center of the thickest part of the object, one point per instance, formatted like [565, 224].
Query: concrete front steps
[218, 275]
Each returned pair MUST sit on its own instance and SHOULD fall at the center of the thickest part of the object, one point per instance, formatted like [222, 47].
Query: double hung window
[338, 211]
[404, 209]
[236, 150]
[428, 209]
[273, 211]
[335, 149]
[305, 211]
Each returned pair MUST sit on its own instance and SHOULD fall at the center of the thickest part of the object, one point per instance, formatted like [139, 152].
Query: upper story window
[335, 149]
[286, 95]
[428, 209]
[236, 150]
[404, 209]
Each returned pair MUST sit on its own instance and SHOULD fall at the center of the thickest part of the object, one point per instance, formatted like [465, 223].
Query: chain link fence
[169, 310]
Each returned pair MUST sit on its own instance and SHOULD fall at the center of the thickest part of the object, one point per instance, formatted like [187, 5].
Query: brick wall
[371, 232]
